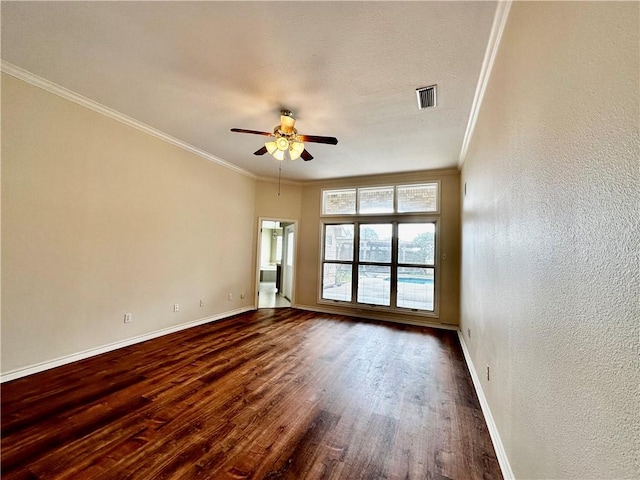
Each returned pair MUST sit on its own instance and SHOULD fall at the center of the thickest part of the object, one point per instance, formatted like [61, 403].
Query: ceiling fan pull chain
[279, 175]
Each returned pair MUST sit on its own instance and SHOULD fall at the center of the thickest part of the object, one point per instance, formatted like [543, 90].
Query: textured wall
[550, 240]
[99, 219]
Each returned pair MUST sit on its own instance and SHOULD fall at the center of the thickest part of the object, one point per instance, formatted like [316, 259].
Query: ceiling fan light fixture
[285, 140]
[271, 147]
[278, 155]
[283, 144]
[295, 150]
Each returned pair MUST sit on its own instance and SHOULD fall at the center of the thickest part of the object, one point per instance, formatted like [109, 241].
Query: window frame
[323, 261]
[395, 199]
[395, 219]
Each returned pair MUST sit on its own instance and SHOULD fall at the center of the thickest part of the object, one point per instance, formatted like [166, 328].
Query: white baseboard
[503, 461]
[74, 357]
[373, 316]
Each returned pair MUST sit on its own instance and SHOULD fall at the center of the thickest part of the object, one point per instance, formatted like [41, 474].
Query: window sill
[379, 308]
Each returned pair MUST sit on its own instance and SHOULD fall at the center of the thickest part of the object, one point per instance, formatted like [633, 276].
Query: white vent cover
[426, 97]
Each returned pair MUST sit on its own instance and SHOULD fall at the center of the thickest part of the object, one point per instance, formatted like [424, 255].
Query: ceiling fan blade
[306, 156]
[255, 132]
[262, 151]
[317, 139]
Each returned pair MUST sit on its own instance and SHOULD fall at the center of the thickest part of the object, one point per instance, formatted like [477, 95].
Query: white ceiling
[193, 70]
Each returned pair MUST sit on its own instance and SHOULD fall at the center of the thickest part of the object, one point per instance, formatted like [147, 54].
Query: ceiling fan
[287, 140]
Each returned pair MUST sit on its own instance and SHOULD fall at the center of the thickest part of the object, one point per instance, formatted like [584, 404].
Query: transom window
[386, 261]
[422, 198]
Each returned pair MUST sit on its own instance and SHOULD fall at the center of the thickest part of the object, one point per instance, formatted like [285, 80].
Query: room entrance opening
[276, 263]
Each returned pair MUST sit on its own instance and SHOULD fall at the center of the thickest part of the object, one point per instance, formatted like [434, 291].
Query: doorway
[276, 260]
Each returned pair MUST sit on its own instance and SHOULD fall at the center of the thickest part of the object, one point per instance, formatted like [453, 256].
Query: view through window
[388, 260]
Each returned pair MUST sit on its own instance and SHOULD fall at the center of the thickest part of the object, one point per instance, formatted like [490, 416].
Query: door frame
[256, 302]
[287, 271]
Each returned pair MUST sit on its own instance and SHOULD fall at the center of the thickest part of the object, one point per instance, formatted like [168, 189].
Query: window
[375, 200]
[418, 198]
[382, 251]
[393, 263]
[374, 263]
[338, 256]
[402, 199]
[416, 265]
[278, 258]
[339, 202]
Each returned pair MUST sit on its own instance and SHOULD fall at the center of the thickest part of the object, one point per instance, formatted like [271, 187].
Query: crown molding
[403, 177]
[499, 22]
[67, 94]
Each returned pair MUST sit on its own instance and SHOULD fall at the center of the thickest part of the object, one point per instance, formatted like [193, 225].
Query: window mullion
[417, 265]
[356, 261]
[393, 294]
[395, 199]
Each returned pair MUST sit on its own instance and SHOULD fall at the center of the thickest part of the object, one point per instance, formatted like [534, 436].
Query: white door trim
[294, 222]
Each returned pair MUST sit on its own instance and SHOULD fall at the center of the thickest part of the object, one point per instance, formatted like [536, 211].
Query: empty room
[320, 240]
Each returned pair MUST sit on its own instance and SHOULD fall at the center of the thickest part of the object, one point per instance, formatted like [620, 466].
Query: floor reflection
[270, 298]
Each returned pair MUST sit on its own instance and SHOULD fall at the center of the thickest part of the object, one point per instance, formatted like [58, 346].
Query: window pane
[376, 200]
[374, 285]
[338, 242]
[375, 242]
[415, 288]
[418, 198]
[336, 282]
[416, 243]
[278, 248]
[339, 202]
[289, 249]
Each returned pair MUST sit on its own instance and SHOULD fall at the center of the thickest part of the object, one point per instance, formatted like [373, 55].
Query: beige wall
[278, 202]
[550, 240]
[308, 259]
[271, 205]
[99, 219]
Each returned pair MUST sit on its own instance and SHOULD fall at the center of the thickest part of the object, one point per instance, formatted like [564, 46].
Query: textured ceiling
[193, 70]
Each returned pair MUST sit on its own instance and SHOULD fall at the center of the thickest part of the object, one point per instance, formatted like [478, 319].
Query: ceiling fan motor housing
[286, 122]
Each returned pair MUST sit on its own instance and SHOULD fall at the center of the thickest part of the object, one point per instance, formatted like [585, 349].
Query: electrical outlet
[202, 303]
[241, 295]
[176, 307]
[468, 333]
[488, 373]
[230, 297]
[127, 318]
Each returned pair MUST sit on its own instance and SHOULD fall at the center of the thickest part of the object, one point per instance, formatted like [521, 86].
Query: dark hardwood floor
[272, 394]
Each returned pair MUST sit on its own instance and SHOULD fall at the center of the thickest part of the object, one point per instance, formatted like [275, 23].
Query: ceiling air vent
[426, 97]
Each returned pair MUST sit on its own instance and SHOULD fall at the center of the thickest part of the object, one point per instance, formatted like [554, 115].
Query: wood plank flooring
[271, 394]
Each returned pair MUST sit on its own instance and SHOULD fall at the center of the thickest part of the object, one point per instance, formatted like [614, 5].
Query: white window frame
[395, 199]
[395, 219]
